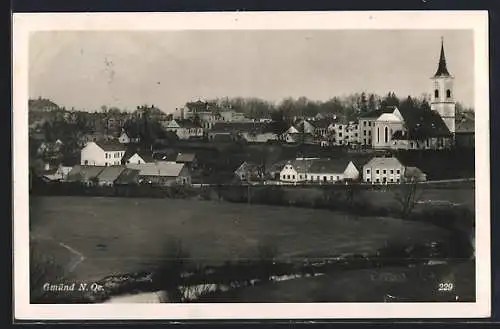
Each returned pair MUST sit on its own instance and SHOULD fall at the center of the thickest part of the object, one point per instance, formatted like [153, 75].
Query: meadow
[104, 236]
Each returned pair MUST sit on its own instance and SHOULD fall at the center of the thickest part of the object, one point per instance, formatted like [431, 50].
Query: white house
[296, 170]
[325, 171]
[381, 170]
[102, 154]
[139, 157]
[321, 171]
[184, 129]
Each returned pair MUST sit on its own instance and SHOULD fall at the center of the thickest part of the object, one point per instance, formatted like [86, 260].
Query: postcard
[251, 165]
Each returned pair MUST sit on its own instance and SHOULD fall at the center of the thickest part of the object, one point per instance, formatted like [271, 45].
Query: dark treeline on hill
[348, 107]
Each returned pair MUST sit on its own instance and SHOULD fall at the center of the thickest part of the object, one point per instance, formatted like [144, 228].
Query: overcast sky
[86, 70]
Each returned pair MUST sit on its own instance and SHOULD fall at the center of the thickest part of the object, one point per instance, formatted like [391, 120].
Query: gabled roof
[82, 172]
[186, 123]
[413, 172]
[377, 113]
[301, 165]
[389, 162]
[322, 123]
[422, 123]
[160, 168]
[111, 146]
[147, 156]
[110, 174]
[185, 157]
[465, 126]
[128, 176]
[329, 166]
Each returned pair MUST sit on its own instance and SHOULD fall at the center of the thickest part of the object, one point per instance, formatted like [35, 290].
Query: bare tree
[407, 197]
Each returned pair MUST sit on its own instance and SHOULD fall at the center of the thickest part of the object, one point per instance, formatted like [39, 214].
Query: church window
[386, 134]
[378, 135]
[448, 93]
[436, 93]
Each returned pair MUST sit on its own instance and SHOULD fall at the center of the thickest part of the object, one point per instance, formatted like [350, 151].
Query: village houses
[184, 129]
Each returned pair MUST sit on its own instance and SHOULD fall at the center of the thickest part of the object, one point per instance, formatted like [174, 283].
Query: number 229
[445, 286]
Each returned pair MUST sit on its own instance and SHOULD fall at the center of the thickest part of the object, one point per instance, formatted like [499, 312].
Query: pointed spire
[442, 70]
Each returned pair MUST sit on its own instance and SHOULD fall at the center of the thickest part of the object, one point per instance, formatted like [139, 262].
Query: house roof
[465, 126]
[127, 176]
[186, 123]
[160, 168]
[80, 172]
[147, 156]
[423, 123]
[322, 123]
[236, 127]
[185, 157]
[413, 172]
[110, 174]
[329, 165]
[301, 165]
[389, 117]
[377, 113]
[111, 146]
[247, 166]
[389, 162]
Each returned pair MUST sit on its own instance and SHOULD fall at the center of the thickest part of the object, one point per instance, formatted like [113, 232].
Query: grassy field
[394, 284]
[115, 235]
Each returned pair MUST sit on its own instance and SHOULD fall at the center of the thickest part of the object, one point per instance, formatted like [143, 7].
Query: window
[324, 178]
[392, 171]
[364, 132]
[340, 127]
[448, 93]
[369, 124]
[391, 180]
[106, 164]
[436, 93]
[331, 177]
[356, 135]
[284, 176]
[369, 132]
[338, 177]
[377, 171]
[367, 171]
[317, 178]
[368, 180]
[397, 171]
[364, 141]
[293, 177]
[386, 134]
[287, 176]
[86, 162]
[300, 176]
[377, 180]
[378, 135]
[364, 123]
[340, 134]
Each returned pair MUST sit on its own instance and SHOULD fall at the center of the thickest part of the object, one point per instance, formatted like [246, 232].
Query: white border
[23, 24]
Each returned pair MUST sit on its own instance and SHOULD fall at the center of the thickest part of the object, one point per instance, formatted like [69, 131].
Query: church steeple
[442, 71]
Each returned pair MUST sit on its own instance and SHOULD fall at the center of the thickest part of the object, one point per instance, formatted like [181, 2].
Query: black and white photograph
[209, 163]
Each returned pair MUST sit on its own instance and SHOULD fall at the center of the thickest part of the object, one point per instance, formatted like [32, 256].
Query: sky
[88, 69]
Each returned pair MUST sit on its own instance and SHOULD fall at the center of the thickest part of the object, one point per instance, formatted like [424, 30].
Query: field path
[78, 254]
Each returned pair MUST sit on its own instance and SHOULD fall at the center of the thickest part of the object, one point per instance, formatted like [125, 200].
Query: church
[420, 128]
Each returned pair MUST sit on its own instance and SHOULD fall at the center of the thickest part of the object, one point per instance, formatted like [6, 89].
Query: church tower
[443, 96]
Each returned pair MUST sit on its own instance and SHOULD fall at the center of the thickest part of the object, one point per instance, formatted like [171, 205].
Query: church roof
[422, 123]
[442, 70]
